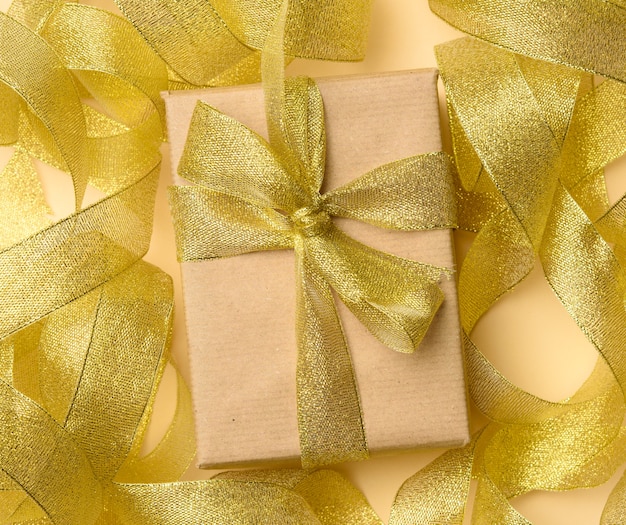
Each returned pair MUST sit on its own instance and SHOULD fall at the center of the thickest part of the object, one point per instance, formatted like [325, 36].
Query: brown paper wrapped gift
[240, 311]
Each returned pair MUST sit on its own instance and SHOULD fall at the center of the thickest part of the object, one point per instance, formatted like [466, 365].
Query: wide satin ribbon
[247, 196]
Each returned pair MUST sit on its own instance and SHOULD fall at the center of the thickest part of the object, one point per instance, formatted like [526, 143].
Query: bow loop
[415, 193]
[234, 160]
[303, 131]
[211, 225]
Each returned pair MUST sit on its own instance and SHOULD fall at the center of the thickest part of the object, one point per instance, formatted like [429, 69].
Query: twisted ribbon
[85, 325]
[249, 195]
[583, 34]
[531, 139]
[220, 42]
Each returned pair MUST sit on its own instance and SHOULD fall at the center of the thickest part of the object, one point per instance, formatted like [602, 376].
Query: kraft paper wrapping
[243, 354]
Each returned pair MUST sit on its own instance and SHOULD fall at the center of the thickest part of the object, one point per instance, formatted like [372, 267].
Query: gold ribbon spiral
[531, 139]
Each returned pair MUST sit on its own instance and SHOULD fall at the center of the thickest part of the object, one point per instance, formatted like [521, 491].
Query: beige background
[527, 335]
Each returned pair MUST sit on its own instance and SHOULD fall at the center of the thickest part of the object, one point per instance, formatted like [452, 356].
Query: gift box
[240, 311]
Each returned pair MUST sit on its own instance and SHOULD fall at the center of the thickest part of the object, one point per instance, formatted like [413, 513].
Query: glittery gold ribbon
[533, 448]
[531, 139]
[219, 42]
[584, 34]
[84, 334]
[72, 291]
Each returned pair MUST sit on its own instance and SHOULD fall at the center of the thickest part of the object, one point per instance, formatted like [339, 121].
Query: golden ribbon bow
[250, 195]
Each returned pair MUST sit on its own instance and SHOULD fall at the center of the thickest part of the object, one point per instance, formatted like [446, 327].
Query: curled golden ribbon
[219, 42]
[531, 139]
[85, 329]
[584, 34]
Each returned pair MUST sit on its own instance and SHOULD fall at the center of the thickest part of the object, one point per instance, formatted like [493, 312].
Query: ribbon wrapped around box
[327, 215]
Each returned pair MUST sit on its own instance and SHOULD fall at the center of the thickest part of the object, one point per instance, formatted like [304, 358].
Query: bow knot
[311, 221]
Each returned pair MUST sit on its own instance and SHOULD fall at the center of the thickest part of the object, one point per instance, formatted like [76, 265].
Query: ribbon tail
[294, 112]
[329, 412]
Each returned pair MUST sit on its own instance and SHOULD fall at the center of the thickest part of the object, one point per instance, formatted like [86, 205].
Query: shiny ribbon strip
[583, 34]
[84, 335]
[249, 195]
[220, 42]
[531, 139]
